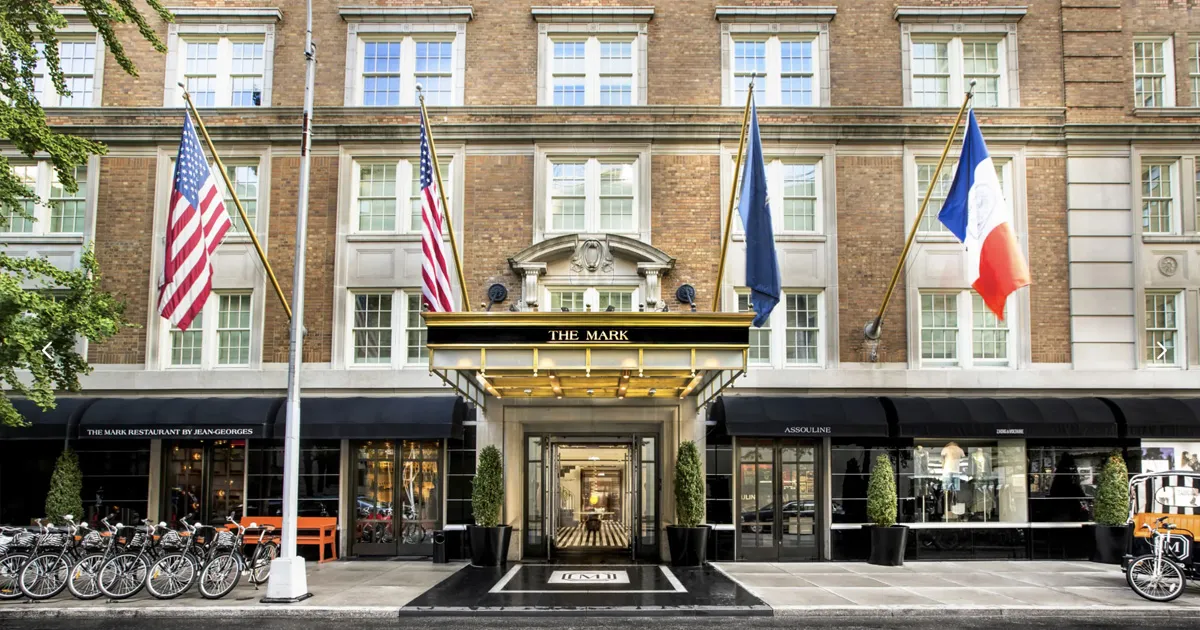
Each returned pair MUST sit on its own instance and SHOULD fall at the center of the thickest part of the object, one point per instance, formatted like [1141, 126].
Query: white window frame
[777, 326]
[954, 25]
[774, 25]
[73, 33]
[408, 25]
[592, 25]
[1175, 169]
[591, 295]
[400, 330]
[235, 158]
[404, 191]
[824, 221]
[1010, 165]
[42, 209]
[776, 168]
[223, 78]
[1181, 330]
[1168, 76]
[1194, 70]
[964, 342]
[225, 24]
[208, 338]
[547, 155]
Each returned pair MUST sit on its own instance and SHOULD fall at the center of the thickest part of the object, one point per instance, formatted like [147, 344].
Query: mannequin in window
[952, 455]
[979, 469]
[921, 461]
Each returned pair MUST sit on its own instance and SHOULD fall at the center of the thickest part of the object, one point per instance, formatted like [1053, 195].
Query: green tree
[689, 486]
[66, 488]
[881, 493]
[42, 309]
[487, 489]
[1112, 492]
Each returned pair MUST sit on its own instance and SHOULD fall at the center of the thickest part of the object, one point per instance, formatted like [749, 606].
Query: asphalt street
[577, 623]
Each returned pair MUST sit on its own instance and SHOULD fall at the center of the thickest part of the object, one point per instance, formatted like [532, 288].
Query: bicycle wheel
[219, 576]
[10, 575]
[171, 576]
[44, 576]
[1158, 580]
[85, 577]
[260, 563]
[123, 575]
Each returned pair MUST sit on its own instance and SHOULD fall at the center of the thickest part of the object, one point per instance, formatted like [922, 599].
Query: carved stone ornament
[592, 256]
[1168, 265]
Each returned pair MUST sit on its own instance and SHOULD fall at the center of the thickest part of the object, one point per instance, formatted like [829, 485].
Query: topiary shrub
[66, 489]
[881, 493]
[689, 486]
[487, 489]
[1112, 492]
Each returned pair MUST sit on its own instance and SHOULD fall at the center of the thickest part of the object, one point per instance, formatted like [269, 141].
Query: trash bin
[439, 547]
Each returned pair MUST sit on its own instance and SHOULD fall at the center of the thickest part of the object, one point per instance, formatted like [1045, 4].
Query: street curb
[212, 612]
[1010, 612]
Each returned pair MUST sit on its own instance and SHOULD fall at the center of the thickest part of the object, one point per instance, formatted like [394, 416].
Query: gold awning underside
[587, 355]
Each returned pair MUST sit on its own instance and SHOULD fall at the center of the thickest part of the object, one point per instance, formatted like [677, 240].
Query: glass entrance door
[398, 497]
[776, 500]
[204, 479]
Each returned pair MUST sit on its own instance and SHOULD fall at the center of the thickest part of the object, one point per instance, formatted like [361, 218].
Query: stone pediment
[592, 260]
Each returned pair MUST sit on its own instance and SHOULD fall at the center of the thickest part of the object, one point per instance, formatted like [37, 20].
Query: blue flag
[762, 266]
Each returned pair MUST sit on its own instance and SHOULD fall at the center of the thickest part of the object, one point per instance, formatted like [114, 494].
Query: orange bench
[310, 530]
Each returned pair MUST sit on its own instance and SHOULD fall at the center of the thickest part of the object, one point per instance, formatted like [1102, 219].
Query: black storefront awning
[1045, 418]
[58, 423]
[799, 416]
[1158, 417]
[424, 417]
[179, 418]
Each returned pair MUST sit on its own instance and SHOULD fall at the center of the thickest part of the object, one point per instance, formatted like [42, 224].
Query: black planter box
[887, 545]
[1111, 543]
[688, 545]
[489, 545]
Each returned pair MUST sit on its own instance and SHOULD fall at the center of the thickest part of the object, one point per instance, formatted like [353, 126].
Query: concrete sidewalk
[943, 588]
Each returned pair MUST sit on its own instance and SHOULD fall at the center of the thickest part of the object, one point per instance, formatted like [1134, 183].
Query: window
[63, 212]
[958, 329]
[797, 184]
[579, 300]
[803, 328]
[392, 66]
[941, 70]
[592, 71]
[318, 478]
[386, 328]
[930, 222]
[619, 301]
[244, 178]
[219, 336]
[1163, 346]
[596, 195]
[77, 58]
[963, 481]
[1153, 73]
[787, 68]
[1194, 73]
[224, 71]
[760, 338]
[569, 300]
[1158, 197]
[1062, 480]
[382, 187]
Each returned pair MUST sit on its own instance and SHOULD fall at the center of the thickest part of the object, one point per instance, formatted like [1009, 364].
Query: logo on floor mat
[589, 577]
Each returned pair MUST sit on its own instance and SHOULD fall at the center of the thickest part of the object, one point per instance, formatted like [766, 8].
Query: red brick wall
[498, 222]
[1046, 198]
[685, 222]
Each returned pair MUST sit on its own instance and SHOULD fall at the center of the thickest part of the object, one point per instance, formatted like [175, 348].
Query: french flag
[977, 213]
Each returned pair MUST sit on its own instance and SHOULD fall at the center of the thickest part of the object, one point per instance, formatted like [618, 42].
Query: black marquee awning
[179, 418]
[58, 423]
[1002, 417]
[394, 417]
[1158, 417]
[799, 416]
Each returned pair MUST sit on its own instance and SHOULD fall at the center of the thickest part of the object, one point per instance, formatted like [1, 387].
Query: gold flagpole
[737, 164]
[238, 202]
[437, 173]
[874, 327]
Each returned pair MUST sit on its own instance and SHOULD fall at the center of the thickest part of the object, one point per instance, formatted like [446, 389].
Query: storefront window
[419, 492]
[1160, 456]
[318, 490]
[851, 465]
[964, 481]
[1062, 481]
[115, 479]
[718, 479]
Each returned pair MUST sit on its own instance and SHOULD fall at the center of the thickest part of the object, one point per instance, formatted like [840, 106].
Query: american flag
[196, 223]
[435, 277]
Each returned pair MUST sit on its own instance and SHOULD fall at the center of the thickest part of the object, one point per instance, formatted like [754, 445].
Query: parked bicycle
[175, 571]
[124, 575]
[1162, 558]
[97, 548]
[228, 560]
[16, 544]
[55, 552]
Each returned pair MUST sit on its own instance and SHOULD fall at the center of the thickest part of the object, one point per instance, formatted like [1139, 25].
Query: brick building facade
[582, 119]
